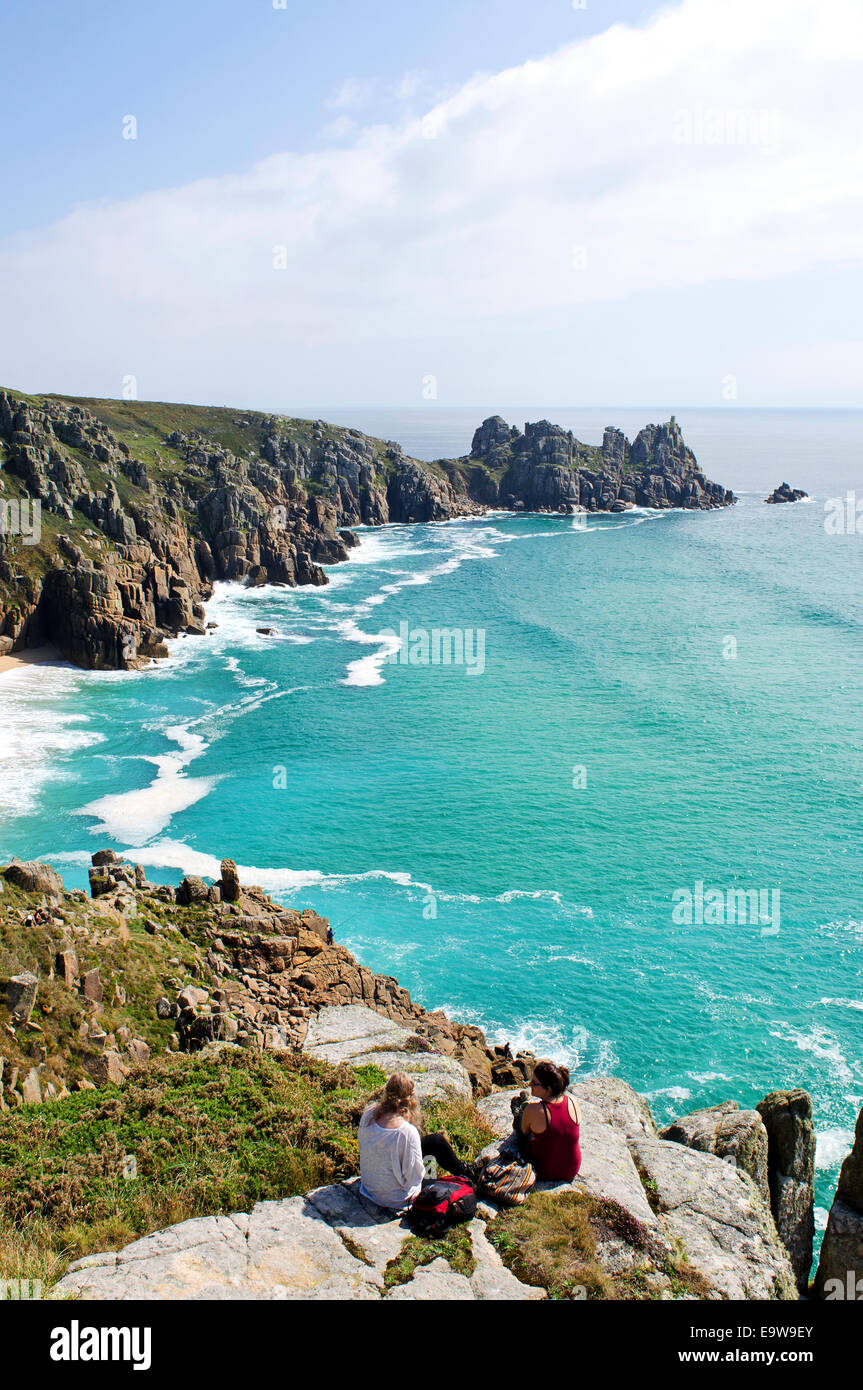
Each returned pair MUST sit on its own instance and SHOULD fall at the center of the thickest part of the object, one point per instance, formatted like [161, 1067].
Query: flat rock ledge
[699, 1206]
[357, 1035]
[330, 1244]
[333, 1243]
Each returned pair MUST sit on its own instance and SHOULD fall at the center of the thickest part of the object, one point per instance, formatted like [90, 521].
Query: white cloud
[632, 161]
[354, 92]
[339, 129]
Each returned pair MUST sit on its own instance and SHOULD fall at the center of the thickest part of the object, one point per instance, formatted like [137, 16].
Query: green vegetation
[207, 1135]
[136, 966]
[460, 1120]
[553, 1243]
[454, 1247]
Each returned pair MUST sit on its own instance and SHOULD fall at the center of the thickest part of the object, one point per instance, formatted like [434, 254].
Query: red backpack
[441, 1203]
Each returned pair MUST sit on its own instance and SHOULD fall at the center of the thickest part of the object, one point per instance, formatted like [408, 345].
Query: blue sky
[392, 204]
[219, 84]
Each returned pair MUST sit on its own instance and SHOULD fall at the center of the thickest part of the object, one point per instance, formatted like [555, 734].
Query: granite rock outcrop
[786, 493]
[840, 1268]
[139, 517]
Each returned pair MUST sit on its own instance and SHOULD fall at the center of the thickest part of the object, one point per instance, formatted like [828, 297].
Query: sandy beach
[33, 656]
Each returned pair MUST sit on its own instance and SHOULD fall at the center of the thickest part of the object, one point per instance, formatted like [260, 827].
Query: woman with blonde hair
[392, 1151]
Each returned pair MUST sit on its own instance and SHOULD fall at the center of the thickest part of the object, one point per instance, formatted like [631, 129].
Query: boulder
[617, 1104]
[21, 991]
[509, 1071]
[107, 1069]
[840, 1268]
[433, 1283]
[139, 1051]
[787, 1117]
[229, 883]
[720, 1219]
[67, 967]
[91, 987]
[352, 1033]
[738, 1136]
[192, 890]
[192, 997]
[31, 1090]
[34, 877]
[850, 1188]
[103, 857]
[100, 880]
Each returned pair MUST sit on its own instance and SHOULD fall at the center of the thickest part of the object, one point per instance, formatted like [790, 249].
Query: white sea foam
[843, 1003]
[174, 854]
[366, 670]
[822, 1216]
[133, 817]
[544, 1039]
[75, 858]
[672, 1092]
[550, 895]
[38, 730]
[384, 545]
[577, 960]
[819, 1043]
[832, 1146]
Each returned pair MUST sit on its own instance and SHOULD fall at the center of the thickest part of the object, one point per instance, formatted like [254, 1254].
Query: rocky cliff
[840, 1269]
[144, 505]
[644, 1219]
[97, 992]
[547, 469]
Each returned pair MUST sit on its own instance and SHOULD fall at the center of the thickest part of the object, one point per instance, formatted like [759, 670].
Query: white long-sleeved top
[391, 1162]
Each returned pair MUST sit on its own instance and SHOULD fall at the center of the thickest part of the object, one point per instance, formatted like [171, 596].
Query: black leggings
[441, 1149]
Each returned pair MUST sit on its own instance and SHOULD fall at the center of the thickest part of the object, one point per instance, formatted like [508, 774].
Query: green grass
[552, 1242]
[207, 1135]
[454, 1247]
[460, 1120]
[142, 967]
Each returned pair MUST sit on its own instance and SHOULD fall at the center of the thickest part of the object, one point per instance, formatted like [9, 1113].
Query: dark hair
[553, 1078]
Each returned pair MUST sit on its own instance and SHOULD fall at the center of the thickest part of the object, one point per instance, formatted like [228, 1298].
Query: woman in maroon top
[551, 1123]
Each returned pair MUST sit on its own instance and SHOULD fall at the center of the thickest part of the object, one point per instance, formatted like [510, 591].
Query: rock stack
[787, 1117]
[840, 1269]
[775, 1145]
[786, 493]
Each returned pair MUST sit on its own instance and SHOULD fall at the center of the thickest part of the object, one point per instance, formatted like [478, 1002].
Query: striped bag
[506, 1181]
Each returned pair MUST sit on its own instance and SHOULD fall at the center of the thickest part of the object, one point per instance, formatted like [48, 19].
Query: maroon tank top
[556, 1153]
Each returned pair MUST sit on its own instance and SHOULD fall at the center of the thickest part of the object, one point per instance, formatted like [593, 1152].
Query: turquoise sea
[662, 700]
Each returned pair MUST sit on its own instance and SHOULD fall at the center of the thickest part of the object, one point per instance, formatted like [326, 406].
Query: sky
[284, 203]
